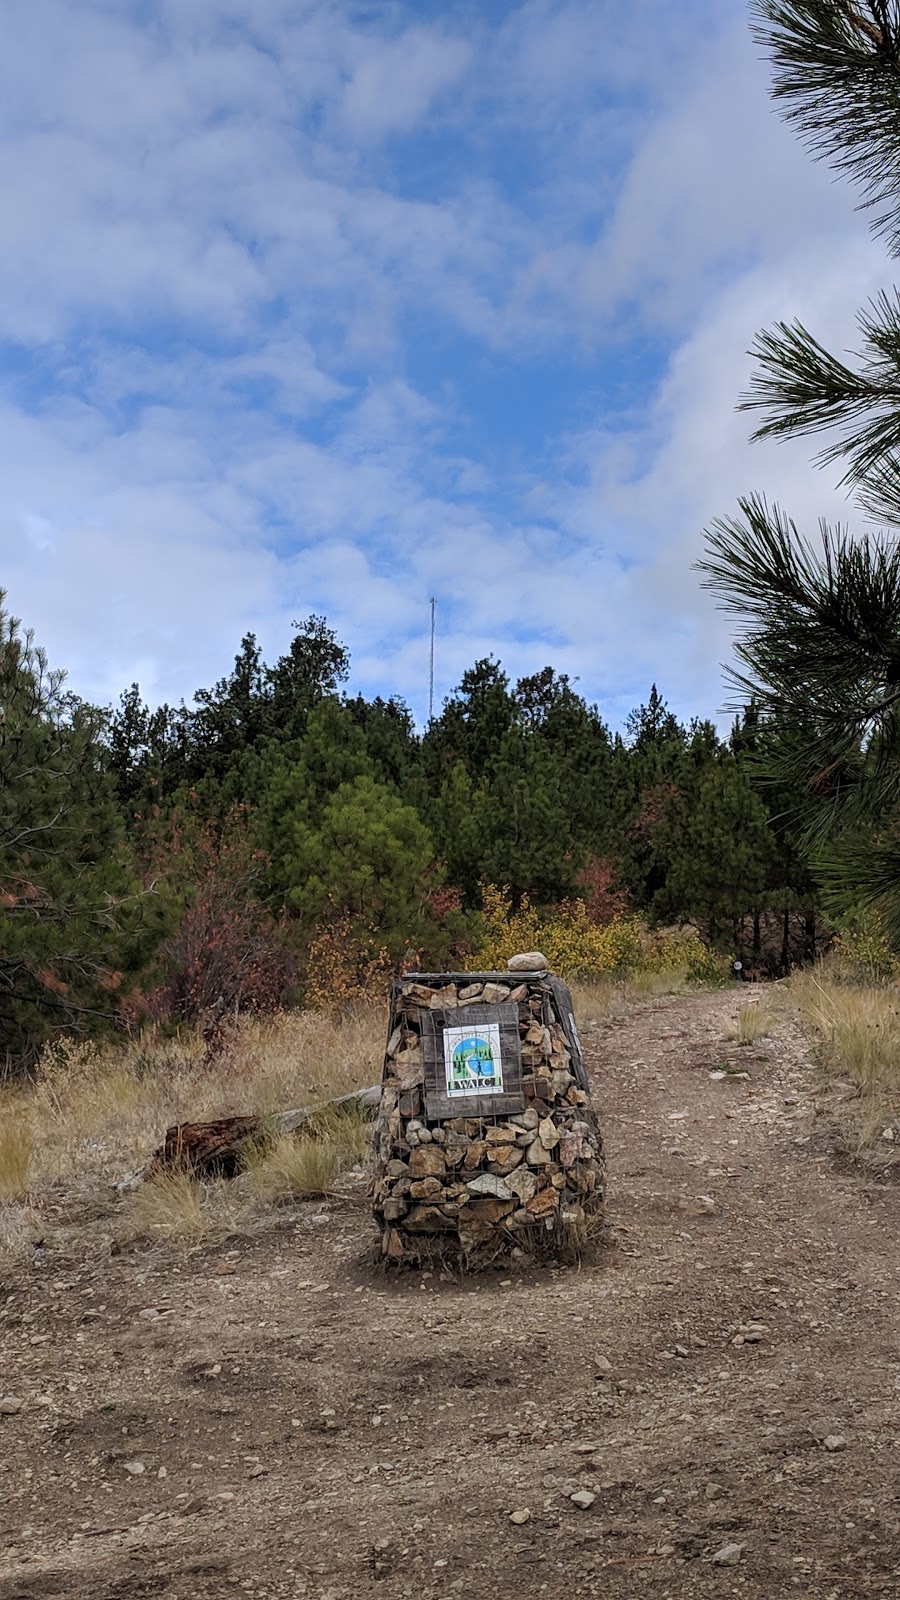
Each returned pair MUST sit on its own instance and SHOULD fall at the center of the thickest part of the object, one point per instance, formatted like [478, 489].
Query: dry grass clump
[17, 1141]
[170, 1207]
[649, 985]
[19, 1225]
[596, 1000]
[299, 1167]
[347, 1127]
[751, 1023]
[858, 1032]
[307, 1164]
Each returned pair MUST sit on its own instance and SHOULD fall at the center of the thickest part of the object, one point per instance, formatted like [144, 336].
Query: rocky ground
[708, 1409]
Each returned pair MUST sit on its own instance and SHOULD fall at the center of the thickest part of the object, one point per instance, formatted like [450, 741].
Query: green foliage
[73, 925]
[304, 843]
[366, 853]
[819, 649]
[579, 949]
[835, 75]
[724, 850]
[863, 952]
[703, 965]
[528, 839]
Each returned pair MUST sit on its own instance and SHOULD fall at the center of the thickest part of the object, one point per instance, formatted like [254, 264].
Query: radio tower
[431, 666]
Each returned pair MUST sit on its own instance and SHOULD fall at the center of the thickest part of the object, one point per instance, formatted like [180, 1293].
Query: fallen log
[221, 1148]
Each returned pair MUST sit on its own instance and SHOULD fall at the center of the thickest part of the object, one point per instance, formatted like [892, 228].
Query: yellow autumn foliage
[576, 947]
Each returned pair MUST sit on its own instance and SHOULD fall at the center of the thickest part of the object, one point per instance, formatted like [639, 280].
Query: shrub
[577, 948]
[574, 945]
[863, 953]
[598, 887]
[342, 964]
[704, 965]
[226, 954]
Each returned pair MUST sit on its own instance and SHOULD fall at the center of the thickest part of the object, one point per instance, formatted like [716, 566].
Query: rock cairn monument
[486, 1142]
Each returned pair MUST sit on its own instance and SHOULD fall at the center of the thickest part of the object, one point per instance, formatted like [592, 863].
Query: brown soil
[307, 1427]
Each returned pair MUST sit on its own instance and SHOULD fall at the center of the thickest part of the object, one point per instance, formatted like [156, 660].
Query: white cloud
[251, 253]
[393, 86]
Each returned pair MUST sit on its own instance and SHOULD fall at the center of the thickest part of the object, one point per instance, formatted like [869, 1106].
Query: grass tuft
[171, 1207]
[751, 1023]
[20, 1226]
[348, 1128]
[302, 1167]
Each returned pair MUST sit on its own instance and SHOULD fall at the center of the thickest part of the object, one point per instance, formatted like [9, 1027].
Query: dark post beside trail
[486, 1142]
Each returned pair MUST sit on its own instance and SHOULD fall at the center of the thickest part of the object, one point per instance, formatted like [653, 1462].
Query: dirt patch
[270, 1417]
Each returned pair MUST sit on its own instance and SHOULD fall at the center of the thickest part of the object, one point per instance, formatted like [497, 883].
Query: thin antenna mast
[431, 666]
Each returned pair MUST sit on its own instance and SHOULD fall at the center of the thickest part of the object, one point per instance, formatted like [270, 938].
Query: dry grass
[752, 1022]
[98, 1111]
[600, 998]
[17, 1141]
[301, 1168]
[597, 999]
[18, 1224]
[170, 1207]
[348, 1128]
[858, 1032]
[650, 985]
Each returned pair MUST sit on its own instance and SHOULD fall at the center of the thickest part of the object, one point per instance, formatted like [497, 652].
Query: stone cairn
[476, 1161]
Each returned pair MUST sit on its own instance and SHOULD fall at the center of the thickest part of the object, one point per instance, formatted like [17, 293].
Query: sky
[332, 307]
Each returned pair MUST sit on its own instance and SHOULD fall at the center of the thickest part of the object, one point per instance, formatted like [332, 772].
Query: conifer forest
[281, 842]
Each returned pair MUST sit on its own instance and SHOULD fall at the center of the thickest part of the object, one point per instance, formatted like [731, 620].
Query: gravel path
[270, 1417]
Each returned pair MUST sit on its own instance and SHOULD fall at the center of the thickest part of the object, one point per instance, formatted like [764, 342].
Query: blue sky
[330, 307]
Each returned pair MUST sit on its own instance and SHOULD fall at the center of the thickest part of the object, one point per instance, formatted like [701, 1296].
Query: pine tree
[366, 855]
[72, 921]
[819, 630]
[719, 869]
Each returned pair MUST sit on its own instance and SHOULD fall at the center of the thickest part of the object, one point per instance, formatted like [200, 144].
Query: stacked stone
[528, 1179]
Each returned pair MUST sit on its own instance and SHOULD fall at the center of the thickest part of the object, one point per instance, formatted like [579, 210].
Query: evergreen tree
[472, 723]
[819, 649]
[719, 869]
[575, 738]
[73, 924]
[653, 725]
[528, 842]
[311, 670]
[652, 772]
[457, 816]
[302, 779]
[366, 854]
[390, 741]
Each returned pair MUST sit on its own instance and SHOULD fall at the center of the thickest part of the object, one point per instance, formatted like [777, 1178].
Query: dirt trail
[307, 1428]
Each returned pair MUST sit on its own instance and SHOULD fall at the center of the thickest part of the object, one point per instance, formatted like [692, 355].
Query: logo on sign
[472, 1060]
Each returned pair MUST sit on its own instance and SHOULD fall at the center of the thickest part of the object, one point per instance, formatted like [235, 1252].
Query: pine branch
[863, 24]
[804, 389]
[819, 655]
[837, 73]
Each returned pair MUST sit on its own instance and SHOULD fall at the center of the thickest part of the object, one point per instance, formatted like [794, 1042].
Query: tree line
[169, 861]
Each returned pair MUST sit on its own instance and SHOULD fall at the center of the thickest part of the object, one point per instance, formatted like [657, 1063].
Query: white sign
[472, 1060]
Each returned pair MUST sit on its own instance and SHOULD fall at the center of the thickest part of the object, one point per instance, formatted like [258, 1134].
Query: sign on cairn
[486, 1142]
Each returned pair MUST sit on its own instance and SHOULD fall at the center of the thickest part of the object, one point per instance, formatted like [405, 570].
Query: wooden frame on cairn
[486, 1142]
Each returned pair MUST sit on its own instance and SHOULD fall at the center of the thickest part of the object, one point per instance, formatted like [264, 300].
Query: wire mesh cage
[486, 1142]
